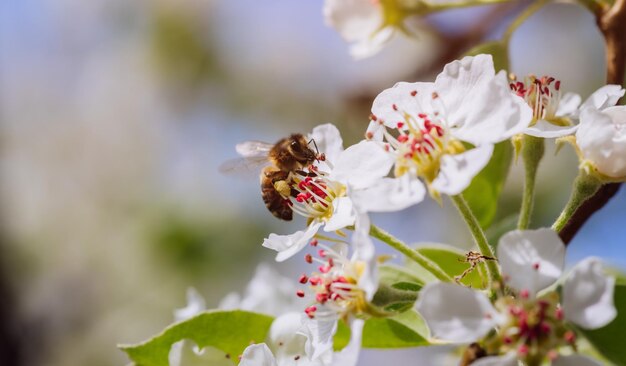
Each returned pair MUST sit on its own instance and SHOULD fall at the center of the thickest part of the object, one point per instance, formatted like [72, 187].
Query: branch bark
[612, 24]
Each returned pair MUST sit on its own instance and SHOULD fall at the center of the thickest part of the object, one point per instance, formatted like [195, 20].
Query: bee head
[300, 150]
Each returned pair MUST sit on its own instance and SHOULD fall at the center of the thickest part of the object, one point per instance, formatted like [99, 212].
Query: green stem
[532, 152]
[530, 10]
[585, 186]
[493, 271]
[411, 253]
[462, 4]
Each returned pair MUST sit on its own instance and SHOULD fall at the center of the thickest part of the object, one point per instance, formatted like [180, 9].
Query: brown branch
[612, 24]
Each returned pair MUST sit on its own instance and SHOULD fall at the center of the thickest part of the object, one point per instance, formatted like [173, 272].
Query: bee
[472, 353]
[288, 155]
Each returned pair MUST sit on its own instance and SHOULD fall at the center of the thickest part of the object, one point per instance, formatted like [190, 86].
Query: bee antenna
[317, 151]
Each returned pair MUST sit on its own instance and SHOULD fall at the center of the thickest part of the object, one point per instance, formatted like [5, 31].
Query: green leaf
[229, 331]
[450, 259]
[483, 193]
[609, 340]
[401, 331]
[390, 274]
[497, 49]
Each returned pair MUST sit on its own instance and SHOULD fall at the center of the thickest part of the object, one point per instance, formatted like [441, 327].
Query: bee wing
[249, 149]
[244, 167]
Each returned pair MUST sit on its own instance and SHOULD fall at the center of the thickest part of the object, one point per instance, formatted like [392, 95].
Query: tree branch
[612, 24]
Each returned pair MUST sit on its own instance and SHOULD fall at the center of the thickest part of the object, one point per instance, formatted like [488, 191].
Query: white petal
[257, 355]
[507, 360]
[319, 333]
[328, 140]
[288, 245]
[488, 114]
[284, 337]
[376, 131]
[350, 354]
[371, 45]
[588, 295]
[355, 20]
[195, 305]
[391, 105]
[575, 360]
[457, 171]
[362, 164]
[548, 130]
[601, 137]
[390, 194]
[343, 214]
[568, 105]
[531, 260]
[606, 96]
[455, 313]
[364, 250]
[269, 293]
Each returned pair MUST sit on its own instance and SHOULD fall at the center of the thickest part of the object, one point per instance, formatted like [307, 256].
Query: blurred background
[116, 114]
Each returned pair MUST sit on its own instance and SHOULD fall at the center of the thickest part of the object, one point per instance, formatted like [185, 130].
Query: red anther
[428, 124]
[439, 130]
[507, 340]
[403, 138]
[324, 269]
[321, 253]
[334, 296]
[536, 266]
[408, 155]
[308, 258]
[395, 107]
[386, 147]
[303, 279]
[340, 279]
[422, 115]
[315, 281]
[522, 350]
[559, 313]
[546, 90]
[414, 93]
[373, 117]
[308, 179]
[322, 157]
[321, 297]
[300, 293]
[400, 124]
[310, 311]
[313, 242]
[303, 184]
[369, 135]
[331, 262]
[550, 80]
[570, 337]
[524, 294]
[557, 85]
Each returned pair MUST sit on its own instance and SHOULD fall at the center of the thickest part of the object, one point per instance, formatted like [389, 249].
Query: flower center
[334, 284]
[543, 95]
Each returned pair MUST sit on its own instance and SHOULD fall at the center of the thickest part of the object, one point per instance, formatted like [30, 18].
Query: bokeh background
[116, 114]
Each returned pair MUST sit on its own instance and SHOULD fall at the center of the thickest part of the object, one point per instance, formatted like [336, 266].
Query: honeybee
[289, 154]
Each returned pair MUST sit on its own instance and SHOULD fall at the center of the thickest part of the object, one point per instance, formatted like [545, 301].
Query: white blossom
[444, 132]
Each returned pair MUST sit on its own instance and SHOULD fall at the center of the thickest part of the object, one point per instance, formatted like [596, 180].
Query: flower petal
[606, 96]
[575, 360]
[601, 137]
[257, 355]
[343, 214]
[488, 114]
[195, 305]
[390, 194]
[588, 295]
[391, 105]
[350, 354]
[355, 20]
[457, 171]
[288, 245]
[361, 165]
[510, 359]
[319, 333]
[371, 45]
[455, 313]
[548, 130]
[531, 260]
[568, 105]
[364, 251]
[328, 140]
[284, 336]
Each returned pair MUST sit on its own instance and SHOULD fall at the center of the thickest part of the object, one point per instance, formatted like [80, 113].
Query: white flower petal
[257, 355]
[269, 293]
[510, 359]
[488, 114]
[457, 171]
[364, 250]
[588, 295]
[568, 105]
[288, 245]
[328, 140]
[195, 305]
[362, 164]
[390, 194]
[343, 214]
[355, 20]
[350, 354]
[319, 333]
[284, 337]
[575, 360]
[371, 45]
[606, 96]
[391, 105]
[531, 260]
[548, 130]
[455, 313]
[601, 137]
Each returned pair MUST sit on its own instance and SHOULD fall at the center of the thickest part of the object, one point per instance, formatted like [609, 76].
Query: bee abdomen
[274, 201]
